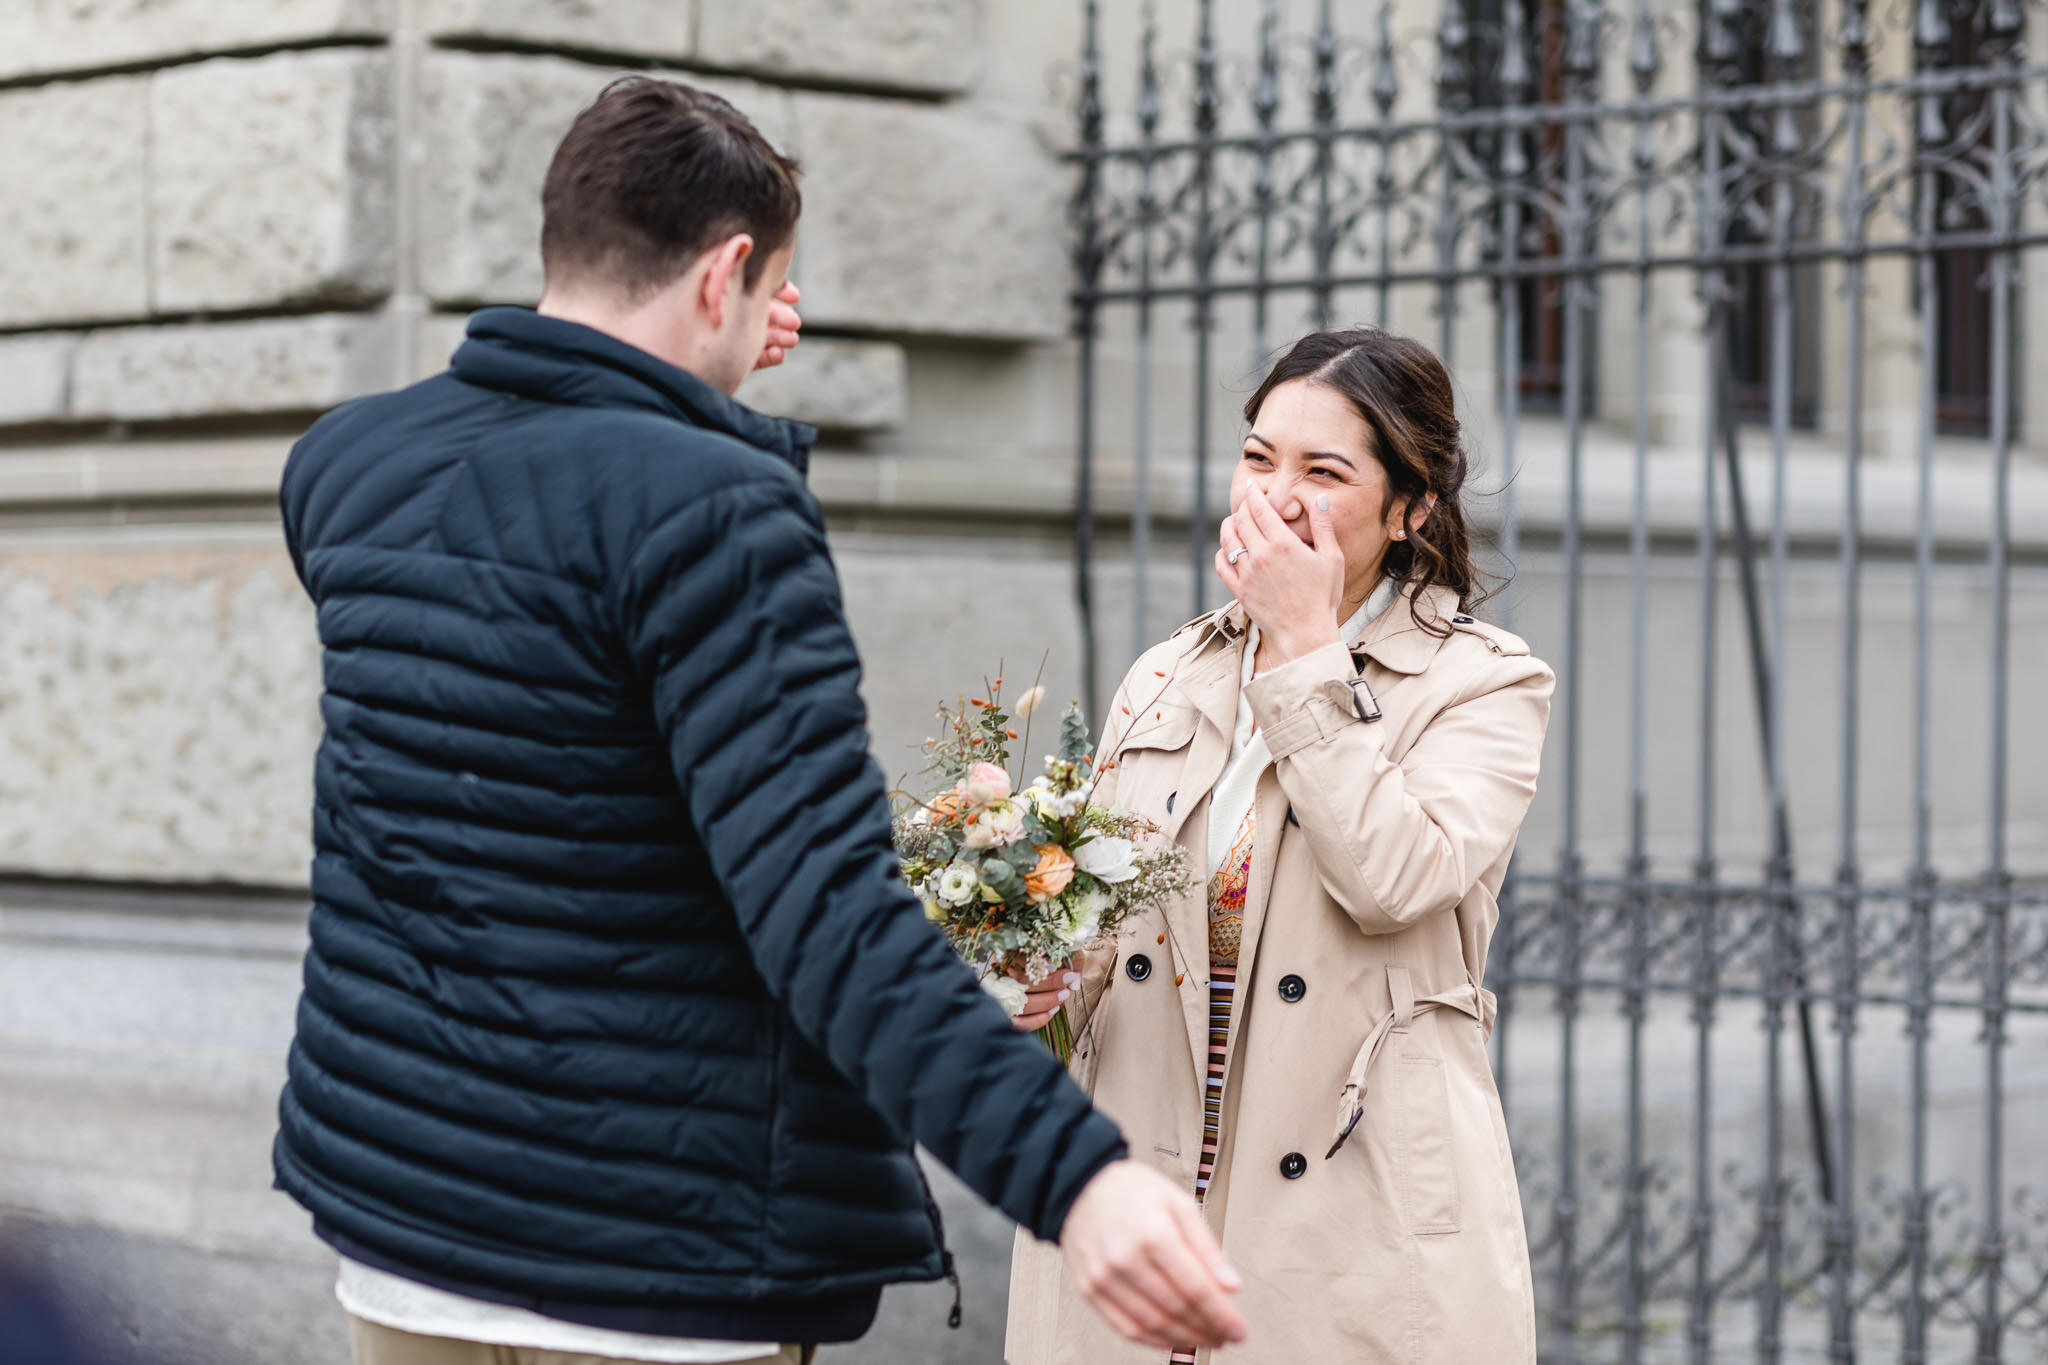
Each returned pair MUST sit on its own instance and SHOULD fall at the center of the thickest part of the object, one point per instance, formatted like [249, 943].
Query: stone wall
[224, 220]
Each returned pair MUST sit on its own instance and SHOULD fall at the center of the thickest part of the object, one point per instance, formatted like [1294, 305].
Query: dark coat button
[1463, 620]
[1293, 1165]
[1292, 988]
[1139, 967]
[1169, 801]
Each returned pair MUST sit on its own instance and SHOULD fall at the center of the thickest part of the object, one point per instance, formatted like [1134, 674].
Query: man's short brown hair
[654, 174]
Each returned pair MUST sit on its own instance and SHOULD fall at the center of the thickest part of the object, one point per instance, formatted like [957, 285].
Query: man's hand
[783, 325]
[1140, 1253]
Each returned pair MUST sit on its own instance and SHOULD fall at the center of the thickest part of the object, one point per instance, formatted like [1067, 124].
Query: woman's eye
[1255, 456]
[1322, 473]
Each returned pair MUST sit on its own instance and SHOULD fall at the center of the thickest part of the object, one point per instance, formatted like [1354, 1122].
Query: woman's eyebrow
[1344, 460]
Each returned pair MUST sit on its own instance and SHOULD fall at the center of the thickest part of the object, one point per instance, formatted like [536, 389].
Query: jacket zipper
[931, 1209]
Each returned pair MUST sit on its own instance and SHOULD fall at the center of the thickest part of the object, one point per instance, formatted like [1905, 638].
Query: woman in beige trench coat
[1347, 755]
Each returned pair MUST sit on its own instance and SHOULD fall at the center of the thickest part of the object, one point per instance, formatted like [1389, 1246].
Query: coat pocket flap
[1164, 727]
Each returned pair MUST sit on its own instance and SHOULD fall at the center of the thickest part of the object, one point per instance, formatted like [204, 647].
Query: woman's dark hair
[1403, 393]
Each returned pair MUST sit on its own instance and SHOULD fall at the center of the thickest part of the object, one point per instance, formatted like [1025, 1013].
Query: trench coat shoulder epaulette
[1499, 641]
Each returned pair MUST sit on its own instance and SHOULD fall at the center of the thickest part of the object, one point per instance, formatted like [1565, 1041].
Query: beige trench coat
[1364, 1187]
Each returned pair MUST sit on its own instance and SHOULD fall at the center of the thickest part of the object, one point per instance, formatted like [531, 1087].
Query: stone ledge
[44, 37]
[648, 28]
[191, 370]
[850, 386]
[928, 46]
[143, 471]
[144, 373]
[834, 384]
[186, 370]
[950, 490]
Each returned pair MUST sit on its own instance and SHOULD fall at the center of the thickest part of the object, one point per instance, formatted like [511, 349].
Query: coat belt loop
[1402, 988]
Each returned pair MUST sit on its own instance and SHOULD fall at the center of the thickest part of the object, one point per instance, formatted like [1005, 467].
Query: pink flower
[986, 784]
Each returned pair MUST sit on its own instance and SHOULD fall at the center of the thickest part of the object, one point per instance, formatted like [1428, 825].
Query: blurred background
[1735, 295]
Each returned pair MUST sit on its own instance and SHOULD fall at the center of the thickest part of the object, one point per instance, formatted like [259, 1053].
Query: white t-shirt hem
[409, 1306]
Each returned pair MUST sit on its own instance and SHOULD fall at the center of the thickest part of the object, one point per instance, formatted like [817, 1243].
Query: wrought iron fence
[1555, 158]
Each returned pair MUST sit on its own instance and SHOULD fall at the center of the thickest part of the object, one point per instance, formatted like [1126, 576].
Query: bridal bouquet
[1023, 876]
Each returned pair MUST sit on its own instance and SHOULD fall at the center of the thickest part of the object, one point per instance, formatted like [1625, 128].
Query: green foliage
[1074, 741]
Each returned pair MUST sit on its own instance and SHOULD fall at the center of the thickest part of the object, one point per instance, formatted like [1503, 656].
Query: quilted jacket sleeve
[733, 613]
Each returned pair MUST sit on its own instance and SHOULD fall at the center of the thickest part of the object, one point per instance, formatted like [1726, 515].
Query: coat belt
[1467, 999]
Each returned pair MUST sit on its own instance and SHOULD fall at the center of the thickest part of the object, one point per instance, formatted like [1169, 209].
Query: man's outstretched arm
[732, 611]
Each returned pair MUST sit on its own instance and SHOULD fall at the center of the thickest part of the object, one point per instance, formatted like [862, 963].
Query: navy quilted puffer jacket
[613, 992]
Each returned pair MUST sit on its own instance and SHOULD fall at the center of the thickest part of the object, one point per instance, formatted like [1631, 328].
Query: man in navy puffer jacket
[618, 1024]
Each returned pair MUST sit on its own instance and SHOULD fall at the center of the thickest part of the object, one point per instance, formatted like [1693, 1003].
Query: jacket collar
[1395, 639]
[517, 350]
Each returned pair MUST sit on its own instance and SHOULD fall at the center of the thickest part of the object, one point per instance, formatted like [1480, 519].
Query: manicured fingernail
[1322, 502]
[1065, 994]
[1074, 980]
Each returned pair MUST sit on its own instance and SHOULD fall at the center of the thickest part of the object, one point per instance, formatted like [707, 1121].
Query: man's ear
[728, 261]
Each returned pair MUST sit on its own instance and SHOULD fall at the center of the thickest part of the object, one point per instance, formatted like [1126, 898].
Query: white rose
[995, 826]
[1008, 992]
[959, 883]
[1080, 921]
[1108, 858]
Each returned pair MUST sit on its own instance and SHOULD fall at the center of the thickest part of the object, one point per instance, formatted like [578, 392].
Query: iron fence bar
[1717, 51]
[1931, 37]
[1088, 256]
[1141, 452]
[1386, 88]
[1514, 79]
[1842, 1207]
[1453, 83]
[1266, 108]
[2003, 23]
[1783, 52]
[1644, 62]
[1201, 538]
[1512, 76]
[1581, 70]
[1324, 245]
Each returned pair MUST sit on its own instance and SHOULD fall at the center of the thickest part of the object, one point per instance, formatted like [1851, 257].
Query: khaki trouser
[373, 1344]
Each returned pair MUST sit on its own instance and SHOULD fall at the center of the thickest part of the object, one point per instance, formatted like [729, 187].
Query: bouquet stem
[1058, 1037]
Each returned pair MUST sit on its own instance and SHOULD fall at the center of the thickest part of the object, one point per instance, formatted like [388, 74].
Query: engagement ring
[1239, 553]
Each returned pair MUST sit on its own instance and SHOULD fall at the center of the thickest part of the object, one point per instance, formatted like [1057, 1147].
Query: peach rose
[1054, 871]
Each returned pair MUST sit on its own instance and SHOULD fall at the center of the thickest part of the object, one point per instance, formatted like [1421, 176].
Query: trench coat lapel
[1210, 683]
